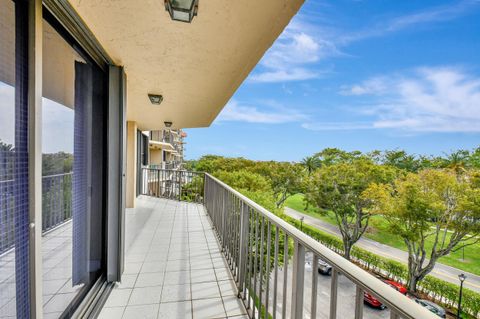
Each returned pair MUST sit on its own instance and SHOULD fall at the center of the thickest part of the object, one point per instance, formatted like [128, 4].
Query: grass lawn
[379, 232]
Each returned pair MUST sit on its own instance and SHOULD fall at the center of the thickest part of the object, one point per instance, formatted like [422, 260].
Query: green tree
[286, 180]
[339, 188]
[331, 156]
[474, 159]
[244, 180]
[435, 213]
[402, 160]
[458, 161]
[310, 164]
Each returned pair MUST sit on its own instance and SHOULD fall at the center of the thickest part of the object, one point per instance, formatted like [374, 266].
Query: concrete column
[131, 182]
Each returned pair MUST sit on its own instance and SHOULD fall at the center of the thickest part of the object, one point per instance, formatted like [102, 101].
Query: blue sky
[358, 75]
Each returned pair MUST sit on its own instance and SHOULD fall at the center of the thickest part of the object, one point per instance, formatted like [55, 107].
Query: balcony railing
[267, 256]
[56, 206]
[173, 184]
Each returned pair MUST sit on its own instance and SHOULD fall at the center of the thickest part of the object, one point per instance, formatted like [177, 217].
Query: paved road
[440, 271]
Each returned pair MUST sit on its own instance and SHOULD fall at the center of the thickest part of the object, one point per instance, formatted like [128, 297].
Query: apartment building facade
[166, 148]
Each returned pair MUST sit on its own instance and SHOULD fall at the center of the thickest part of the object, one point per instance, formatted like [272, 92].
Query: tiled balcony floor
[174, 267]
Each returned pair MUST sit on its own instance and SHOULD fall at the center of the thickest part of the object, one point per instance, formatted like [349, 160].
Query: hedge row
[439, 290]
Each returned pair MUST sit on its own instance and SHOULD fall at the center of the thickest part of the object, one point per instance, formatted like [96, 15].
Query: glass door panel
[73, 189]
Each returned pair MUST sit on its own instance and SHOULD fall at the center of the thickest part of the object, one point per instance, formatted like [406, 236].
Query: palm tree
[458, 161]
[311, 163]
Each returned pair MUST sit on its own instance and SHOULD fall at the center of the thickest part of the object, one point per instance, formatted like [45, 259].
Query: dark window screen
[14, 192]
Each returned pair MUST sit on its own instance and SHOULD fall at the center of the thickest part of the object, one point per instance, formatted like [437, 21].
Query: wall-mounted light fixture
[182, 10]
[168, 124]
[155, 98]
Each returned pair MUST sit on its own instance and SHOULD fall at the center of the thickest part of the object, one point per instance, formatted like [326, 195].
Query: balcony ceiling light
[168, 124]
[182, 10]
[155, 98]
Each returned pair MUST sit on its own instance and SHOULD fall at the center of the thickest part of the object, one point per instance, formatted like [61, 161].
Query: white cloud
[279, 75]
[445, 99]
[310, 39]
[436, 100]
[294, 55]
[270, 113]
[374, 85]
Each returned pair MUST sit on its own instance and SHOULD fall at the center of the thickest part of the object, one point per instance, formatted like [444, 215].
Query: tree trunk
[417, 272]
[347, 247]
[412, 283]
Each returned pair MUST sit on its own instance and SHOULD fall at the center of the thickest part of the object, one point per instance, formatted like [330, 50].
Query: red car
[374, 302]
[397, 286]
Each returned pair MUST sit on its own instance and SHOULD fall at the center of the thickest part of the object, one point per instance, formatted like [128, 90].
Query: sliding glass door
[54, 272]
[73, 129]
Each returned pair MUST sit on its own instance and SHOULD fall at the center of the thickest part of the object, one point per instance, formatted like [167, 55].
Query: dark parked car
[324, 268]
[432, 307]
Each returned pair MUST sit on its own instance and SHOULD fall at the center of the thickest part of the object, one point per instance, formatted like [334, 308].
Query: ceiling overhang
[196, 66]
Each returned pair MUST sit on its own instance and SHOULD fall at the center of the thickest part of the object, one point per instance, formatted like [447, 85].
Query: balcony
[174, 266]
[226, 257]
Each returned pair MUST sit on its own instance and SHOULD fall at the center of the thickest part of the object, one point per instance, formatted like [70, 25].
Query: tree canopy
[432, 206]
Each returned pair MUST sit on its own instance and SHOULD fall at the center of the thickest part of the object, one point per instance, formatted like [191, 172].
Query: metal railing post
[359, 303]
[333, 295]
[243, 241]
[313, 311]
[394, 315]
[298, 274]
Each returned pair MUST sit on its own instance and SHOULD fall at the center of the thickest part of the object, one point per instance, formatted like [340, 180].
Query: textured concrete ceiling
[196, 67]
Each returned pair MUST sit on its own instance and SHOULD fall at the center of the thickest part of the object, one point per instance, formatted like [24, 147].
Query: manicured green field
[379, 232]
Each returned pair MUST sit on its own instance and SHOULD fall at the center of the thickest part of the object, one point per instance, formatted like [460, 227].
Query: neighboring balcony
[203, 250]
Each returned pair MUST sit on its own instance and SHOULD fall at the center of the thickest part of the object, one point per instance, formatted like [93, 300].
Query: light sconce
[155, 99]
[182, 10]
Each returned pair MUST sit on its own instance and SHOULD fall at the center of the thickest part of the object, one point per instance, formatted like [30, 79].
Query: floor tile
[176, 293]
[110, 313]
[141, 312]
[153, 279]
[177, 278]
[153, 266]
[118, 298]
[202, 275]
[208, 308]
[145, 296]
[205, 290]
[233, 306]
[227, 288]
[128, 281]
